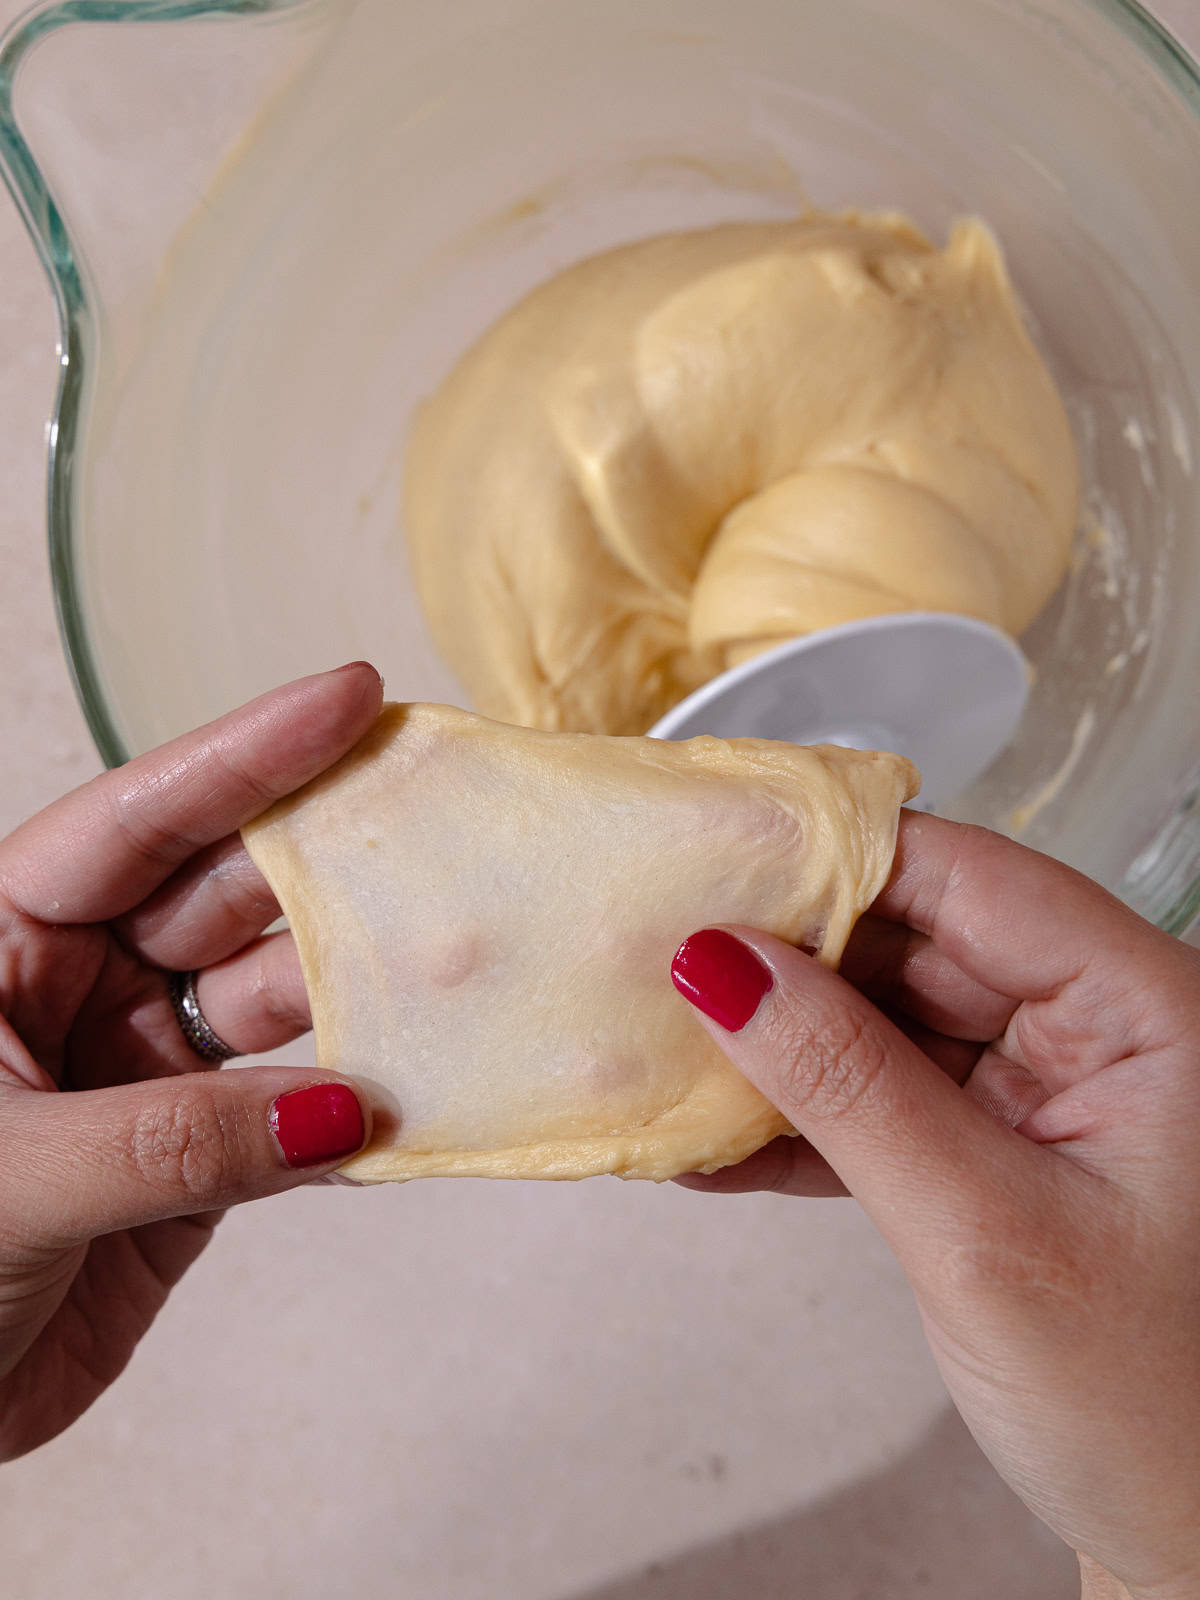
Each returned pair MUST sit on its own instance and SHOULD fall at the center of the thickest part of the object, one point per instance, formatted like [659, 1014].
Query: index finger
[1019, 922]
[103, 848]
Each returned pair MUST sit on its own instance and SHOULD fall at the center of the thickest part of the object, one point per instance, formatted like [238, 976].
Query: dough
[686, 450]
[486, 916]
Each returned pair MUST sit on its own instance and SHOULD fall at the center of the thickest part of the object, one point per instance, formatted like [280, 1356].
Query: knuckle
[831, 1064]
[255, 790]
[248, 896]
[185, 1149]
[145, 831]
[271, 993]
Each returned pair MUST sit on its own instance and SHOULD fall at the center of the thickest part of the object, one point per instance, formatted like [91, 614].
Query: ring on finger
[202, 1038]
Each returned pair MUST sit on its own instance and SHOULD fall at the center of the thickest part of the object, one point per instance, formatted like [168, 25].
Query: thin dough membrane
[485, 917]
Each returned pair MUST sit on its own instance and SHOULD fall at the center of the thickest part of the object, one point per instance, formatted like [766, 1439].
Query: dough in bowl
[486, 915]
[691, 448]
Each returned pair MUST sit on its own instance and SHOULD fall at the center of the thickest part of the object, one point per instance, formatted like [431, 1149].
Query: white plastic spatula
[944, 690]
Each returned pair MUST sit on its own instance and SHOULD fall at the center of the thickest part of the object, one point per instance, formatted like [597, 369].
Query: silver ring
[209, 1046]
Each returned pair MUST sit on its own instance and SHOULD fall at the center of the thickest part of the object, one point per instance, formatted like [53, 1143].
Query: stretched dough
[688, 449]
[485, 917]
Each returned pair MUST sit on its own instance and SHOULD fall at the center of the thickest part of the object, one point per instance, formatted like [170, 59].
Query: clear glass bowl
[272, 227]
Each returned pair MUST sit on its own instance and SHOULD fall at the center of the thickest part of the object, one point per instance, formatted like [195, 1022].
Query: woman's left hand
[119, 1150]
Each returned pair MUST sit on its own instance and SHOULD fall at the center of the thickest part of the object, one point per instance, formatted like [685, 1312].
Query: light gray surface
[452, 1390]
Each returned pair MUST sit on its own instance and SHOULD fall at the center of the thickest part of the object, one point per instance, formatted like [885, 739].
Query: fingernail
[353, 666]
[317, 1124]
[721, 977]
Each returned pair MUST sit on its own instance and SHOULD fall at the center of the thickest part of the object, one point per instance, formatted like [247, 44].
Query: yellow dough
[485, 917]
[693, 447]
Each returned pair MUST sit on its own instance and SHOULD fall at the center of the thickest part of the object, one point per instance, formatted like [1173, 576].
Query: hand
[1041, 1190]
[119, 1152]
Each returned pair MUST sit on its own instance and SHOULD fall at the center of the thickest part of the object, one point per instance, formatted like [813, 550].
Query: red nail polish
[317, 1124]
[721, 976]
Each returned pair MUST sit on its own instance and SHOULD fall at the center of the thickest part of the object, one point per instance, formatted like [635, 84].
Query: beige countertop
[455, 1390]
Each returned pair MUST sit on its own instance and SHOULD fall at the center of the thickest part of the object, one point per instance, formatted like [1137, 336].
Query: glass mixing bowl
[272, 227]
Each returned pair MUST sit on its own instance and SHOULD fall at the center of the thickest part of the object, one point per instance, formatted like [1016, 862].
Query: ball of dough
[691, 448]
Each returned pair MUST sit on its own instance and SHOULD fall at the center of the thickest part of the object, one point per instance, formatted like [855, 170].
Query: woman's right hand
[1041, 1190]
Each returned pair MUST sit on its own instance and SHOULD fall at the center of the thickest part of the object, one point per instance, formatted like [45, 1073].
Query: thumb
[87, 1163]
[922, 1158]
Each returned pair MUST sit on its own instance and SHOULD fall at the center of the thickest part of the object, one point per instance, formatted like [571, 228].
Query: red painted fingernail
[721, 977]
[317, 1124]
